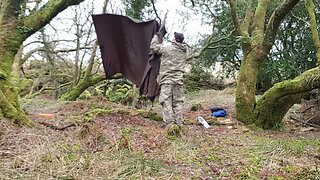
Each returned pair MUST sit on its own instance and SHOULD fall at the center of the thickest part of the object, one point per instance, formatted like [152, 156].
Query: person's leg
[177, 103]
[165, 100]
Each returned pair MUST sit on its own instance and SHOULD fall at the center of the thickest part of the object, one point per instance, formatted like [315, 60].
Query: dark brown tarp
[150, 87]
[125, 46]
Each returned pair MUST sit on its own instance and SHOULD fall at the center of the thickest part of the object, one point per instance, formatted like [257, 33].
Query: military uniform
[170, 78]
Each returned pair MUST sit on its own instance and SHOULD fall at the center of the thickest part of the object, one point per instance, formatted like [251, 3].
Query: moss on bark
[9, 104]
[246, 89]
[273, 105]
[14, 29]
[76, 91]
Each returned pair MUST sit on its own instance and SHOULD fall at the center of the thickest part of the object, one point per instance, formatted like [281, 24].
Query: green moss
[121, 93]
[154, 116]
[9, 104]
[85, 95]
[196, 107]
[149, 114]
[89, 116]
[174, 131]
[123, 111]
[25, 85]
[246, 87]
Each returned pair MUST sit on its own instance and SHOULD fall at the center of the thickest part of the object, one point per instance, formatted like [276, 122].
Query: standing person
[170, 78]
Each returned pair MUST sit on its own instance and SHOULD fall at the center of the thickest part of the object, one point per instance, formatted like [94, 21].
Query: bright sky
[182, 19]
[179, 19]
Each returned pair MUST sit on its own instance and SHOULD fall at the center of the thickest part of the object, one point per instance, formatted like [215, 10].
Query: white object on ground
[203, 122]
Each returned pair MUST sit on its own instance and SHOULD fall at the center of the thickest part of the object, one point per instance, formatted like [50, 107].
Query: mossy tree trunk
[83, 84]
[273, 105]
[313, 22]
[87, 81]
[14, 29]
[256, 44]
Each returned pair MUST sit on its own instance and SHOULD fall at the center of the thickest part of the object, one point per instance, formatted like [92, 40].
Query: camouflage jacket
[173, 61]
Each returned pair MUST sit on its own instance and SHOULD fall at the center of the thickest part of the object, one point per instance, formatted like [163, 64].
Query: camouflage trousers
[171, 99]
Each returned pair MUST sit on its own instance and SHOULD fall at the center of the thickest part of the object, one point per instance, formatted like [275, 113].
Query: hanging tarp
[125, 47]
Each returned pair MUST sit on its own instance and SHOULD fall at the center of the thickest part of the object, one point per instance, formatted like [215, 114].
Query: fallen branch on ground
[51, 126]
[305, 123]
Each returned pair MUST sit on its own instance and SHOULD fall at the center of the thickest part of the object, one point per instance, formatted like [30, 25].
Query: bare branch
[208, 8]
[193, 4]
[298, 18]
[208, 46]
[41, 49]
[155, 11]
[105, 5]
[53, 41]
[91, 61]
[38, 19]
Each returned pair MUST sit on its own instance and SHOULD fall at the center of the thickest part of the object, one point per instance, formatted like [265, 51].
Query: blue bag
[218, 112]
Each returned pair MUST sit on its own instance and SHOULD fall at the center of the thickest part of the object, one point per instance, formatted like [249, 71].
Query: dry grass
[119, 146]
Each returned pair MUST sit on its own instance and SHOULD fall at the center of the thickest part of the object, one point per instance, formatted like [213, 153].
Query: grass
[122, 145]
[71, 158]
[44, 154]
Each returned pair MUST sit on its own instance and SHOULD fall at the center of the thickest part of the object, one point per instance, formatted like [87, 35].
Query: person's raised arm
[155, 46]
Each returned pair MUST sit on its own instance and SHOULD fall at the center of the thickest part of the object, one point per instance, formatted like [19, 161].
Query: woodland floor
[109, 141]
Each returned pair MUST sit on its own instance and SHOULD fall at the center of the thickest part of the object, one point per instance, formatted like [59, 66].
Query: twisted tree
[15, 27]
[258, 35]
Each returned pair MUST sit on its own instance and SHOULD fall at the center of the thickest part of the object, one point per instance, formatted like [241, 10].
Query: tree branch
[208, 8]
[247, 19]
[38, 19]
[259, 19]
[53, 41]
[155, 11]
[91, 61]
[42, 49]
[207, 46]
[303, 83]
[275, 20]
[234, 16]
[313, 23]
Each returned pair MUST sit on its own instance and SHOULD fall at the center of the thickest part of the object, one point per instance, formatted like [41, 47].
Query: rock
[223, 121]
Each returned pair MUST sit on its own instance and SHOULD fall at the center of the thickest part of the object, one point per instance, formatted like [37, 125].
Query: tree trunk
[9, 105]
[270, 115]
[313, 22]
[16, 69]
[14, 29]
[271, 107]
[246, 88]
[76, 91]
[274, 104]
